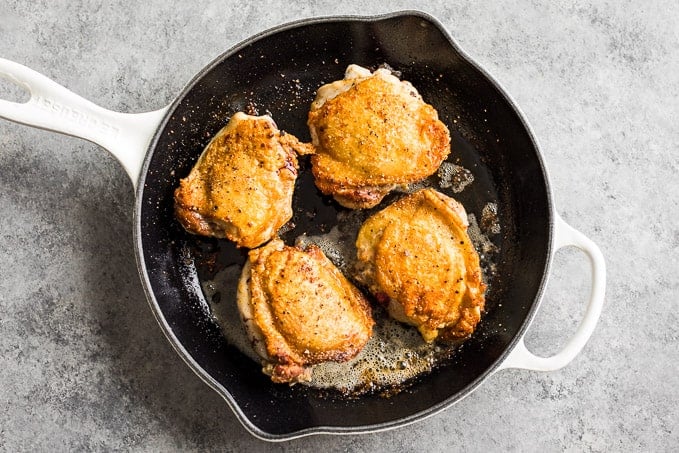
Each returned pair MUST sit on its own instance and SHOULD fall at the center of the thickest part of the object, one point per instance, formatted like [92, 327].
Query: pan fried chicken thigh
[371, 133]
[416, 257]
[241, 187]
[299, 310]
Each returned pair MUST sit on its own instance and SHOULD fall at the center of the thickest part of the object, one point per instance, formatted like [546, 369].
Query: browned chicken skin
[299, 310]
[371, 133]
[416, 257]
[241, 187]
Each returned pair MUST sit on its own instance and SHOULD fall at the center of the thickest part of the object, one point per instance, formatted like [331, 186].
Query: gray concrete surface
[83, 365]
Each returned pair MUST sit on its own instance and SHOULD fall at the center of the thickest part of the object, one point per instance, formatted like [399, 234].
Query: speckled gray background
[83, 365]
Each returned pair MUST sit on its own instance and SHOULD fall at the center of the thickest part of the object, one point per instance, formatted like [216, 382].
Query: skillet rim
[204, 375]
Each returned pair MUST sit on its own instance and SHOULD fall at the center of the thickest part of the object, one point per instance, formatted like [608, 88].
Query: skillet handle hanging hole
[52, 107]
[13, 91]
[521, 357]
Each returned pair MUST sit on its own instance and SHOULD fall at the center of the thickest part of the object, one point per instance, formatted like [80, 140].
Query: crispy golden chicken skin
[416, 257]
[299, 310]
[241, 187]
[371, 133]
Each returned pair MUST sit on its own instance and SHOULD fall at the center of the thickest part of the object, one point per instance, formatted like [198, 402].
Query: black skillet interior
[277, 73]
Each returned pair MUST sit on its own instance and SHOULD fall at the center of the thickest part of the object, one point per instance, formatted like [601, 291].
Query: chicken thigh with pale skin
[299, 310]
[371, 133]
[241, 187]
[416, 258]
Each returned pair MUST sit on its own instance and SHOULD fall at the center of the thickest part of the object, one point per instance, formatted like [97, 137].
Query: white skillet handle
[521, 357]
[58, 109]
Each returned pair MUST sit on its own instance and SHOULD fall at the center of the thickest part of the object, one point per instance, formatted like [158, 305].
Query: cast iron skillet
[277, 72]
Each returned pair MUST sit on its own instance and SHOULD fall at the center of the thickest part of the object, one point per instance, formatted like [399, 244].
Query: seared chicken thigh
[241, 187]
[415, 257]
[299, 310]
[371, 133]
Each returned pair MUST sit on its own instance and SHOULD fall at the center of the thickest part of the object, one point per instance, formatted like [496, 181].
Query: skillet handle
[55, 108]
[521, 357]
